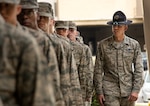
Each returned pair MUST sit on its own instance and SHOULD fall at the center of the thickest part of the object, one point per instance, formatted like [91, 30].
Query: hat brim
[127, 22]
[10, 1]
[71, 27]
[45, 14]
[57, 27]
[29, 7]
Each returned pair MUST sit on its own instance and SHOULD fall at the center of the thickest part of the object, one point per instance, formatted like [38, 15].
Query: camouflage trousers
[117, 101]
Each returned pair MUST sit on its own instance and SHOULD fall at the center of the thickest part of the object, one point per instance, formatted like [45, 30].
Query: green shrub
[95, 101]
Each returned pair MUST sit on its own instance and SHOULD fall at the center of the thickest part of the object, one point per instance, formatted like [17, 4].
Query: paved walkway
[142, 104]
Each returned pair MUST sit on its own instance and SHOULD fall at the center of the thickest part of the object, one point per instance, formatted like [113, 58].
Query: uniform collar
[62, 37]
[124, 42]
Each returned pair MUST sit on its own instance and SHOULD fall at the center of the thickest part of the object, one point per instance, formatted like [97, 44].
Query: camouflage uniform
[83, 57]
[79, 56]
[46, 10]
[113, 74]
[89, 74]
[47, 49]
[80, 39]
[22, 70]
[65, 83]
[116, 101]
[90, 67]
[75, 84]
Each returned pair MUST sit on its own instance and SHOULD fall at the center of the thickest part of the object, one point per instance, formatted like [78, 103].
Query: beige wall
[96, 9]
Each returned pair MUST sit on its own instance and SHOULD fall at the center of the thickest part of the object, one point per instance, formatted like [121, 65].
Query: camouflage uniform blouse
[46, 48]
[65, 84]
[22, 70]
[113, 74]
[74, 78]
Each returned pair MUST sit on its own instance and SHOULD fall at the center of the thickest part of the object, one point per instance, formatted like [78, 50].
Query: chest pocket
[109, 52]
[128, 54]
[110, 56]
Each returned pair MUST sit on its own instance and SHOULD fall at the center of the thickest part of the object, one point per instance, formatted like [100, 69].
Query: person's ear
[52, 21]
[76, 32]
[126, 27]
[19, 8]
[38, 16]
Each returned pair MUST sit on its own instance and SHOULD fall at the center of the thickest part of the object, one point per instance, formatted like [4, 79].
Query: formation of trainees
[44, 62]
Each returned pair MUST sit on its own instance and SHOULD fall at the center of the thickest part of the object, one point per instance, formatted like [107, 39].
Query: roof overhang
[103, 22]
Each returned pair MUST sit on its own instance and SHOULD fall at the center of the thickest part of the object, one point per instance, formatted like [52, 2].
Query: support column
[146, 9]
